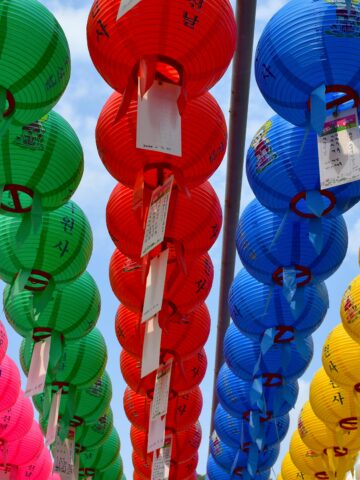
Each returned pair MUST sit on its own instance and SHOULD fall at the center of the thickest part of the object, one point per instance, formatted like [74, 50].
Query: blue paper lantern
[272, 248]
[256, 307]
[245, 358]
[283, 171]
[236, 432]
[215, 472]
[306, 45]
[238, 396]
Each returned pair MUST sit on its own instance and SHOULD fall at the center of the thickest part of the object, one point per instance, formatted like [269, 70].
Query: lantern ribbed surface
[9, 383]
[195, 233]
[235, 431]
[114, 472]
[93, 436]
[99, 459]
[182, 293]
[307, 44]
[215, 472]
[17, 420]
[181, 338]
[203, 137]
[178, 471]
[242, 353]
[257, 229]
[289, 471]
[25, 450]
[35, 60]
[184, 376]
[72, 311]
[45, 159]
[280, 171]
[183, 410]
[60, 250]
[186, 44]
[340, 354]
[350, 309]
[333, 404]
[75, 367]
[39, 469]
[255, 307]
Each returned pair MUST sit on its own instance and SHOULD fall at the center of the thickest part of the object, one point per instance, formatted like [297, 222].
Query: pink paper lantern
[16, 421]
[25, 450]
[3, 341]
[39, 469]
[10, 382]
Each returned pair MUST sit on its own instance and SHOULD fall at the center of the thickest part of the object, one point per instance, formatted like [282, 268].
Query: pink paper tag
[151, 350]
[156, 434]
[38, 368]
[53, 418]
[155, 284]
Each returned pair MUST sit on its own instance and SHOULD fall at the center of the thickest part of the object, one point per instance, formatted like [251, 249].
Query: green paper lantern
[79, 364]
[57, 254]
[114, 472]
[95, 461]
[72, 311]
[43, 159]
[91, 403]
[93, 436]
[34, 62]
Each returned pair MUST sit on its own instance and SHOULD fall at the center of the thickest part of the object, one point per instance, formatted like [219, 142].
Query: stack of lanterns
[292, 237]
[22, 453]
[160, 55]
[46, 243]
[326, 443]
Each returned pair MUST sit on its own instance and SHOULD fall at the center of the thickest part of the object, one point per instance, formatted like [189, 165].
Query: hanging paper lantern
[242, 355]
[3, 341]
[114, 472]
[257, 229]
[182, 293]
[42, 161]
[9, 383]
[193, 234]
[178, 471]
[16, 421]
[284, 174]
[183, 410]
[234, 431]
[35, 62]
[72, 311]
[204, 139]
[72, 368]
[328, 33]
[185, 444]
[256, 307]
[93, 436]
[349, 311]
[225, 456]
[185, 375]
[24, 450]
[182, 338]
[37, 470]
[289, 471]
[333, 404]
[320, 437]
[340, 354]
[238, 397]
[99, 459]
[58, 253]
[215, 472]
[183, 54]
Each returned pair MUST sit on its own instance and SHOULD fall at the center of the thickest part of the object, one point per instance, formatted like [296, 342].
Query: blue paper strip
[318, 109]
[289, 283]
[315, 202]
[253, 460]
[267, 340]
[316, 236]
[297, 304]
[234, 464]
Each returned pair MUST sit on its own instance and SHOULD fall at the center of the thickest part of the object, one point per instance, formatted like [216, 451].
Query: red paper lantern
[183, 410]
[184, 376]
[193, 223]
[189, 43]
[183, 291]
[204, 139]
[182, 471]
[181, 338]
[185, 444]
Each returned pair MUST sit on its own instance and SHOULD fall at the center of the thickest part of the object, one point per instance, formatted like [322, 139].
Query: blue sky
[81, 105]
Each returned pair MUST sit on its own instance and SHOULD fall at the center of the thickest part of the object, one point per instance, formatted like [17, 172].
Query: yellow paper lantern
[332, 403]
[305, 459]
[350, 309]
[341, 358]
[290, 472]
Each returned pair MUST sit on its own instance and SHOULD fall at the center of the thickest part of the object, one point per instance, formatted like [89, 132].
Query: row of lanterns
[290, 239]
[326, 443]
[145, 51]
[46, 244]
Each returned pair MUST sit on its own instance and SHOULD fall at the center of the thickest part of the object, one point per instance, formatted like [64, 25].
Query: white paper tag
[62, 464]
[155, 284]
[157, 216]
[125, 6]
[159, 404]
[161, 463]
[70, 443]
[151, 350]
[38, 368]
[166, 453]
[158, 119]
[156, 436]
[339, 150]
[53, 418]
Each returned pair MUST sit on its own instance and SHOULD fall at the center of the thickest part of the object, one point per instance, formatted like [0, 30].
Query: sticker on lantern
[339, 148]
[125, 6]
